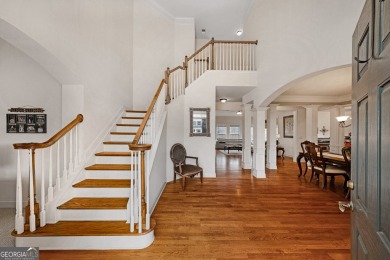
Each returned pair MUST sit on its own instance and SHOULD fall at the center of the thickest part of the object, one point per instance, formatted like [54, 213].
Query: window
[234, 131]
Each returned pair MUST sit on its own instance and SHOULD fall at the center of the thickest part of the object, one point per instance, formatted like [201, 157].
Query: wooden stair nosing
[94, 203]
[117, 143]
[103, 183]
[128, 124]
[113, 154]
[136, 111]
[123, 133]
[109, 167]
[86, 228]
[132, 117]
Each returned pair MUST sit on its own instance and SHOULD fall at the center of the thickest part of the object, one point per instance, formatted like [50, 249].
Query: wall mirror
[199, 121]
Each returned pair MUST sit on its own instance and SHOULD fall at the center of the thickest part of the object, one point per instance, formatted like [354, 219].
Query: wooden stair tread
[116, 142]
[128, 124]
[113, 154]
[117, 167]
[132, 117]
[95, 203]
[123, 133]
[136, 111]
[86, 228]
[103, 183]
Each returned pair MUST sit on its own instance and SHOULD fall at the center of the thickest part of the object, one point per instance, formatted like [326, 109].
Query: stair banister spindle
[132, 172]
[71, 166]
[147, 191]
[58, 181]
[240, 55]
[212, 55]
[139, 193]
[31, 192]
[19, 219]
[65, 171]
[76, 152]
[42, 213]
[50, 192]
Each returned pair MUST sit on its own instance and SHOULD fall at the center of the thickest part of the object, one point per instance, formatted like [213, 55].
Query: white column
[258, 168]
[271, 137]
[300, 131]
[335, 130]
[246, 136]
[312, 123]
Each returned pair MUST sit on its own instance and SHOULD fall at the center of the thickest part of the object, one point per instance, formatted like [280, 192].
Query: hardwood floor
[237, 216]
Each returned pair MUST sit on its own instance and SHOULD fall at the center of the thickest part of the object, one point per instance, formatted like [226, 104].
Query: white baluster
[239, 46]
[139, 194]
[65, 171]
[42, 214]
[32, 215]
[50, 192]
[58, 181]
[132, 192]
[19, 219]
[147, 172]
[71, 166]
[76, 150]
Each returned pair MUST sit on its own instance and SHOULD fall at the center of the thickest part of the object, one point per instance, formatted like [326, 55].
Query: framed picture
[26, 123]
[288, 126]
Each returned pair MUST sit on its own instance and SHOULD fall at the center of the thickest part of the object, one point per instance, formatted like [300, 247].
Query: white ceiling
[220, 18]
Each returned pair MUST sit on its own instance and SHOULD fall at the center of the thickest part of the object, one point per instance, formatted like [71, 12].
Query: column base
[259, 173]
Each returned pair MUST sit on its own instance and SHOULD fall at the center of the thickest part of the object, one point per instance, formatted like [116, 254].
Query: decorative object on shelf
[323, 130]
[26, 109]
[341, 120]
[288, 126]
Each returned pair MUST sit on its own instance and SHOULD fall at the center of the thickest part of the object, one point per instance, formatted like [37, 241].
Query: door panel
[361, 147]
[384, 143]
[370, 164]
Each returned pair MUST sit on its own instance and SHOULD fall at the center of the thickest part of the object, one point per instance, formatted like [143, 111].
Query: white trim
[158, 198]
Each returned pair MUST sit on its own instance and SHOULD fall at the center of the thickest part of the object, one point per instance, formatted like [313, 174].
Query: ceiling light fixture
[223, 100]
[239, 113]
[341, 120]
[239, 32]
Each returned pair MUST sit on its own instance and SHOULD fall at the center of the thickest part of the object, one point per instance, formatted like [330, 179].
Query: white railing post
[132, 192]
[31, 192]
[58, 181]
[50, 192]
[19, 219]
[147, 173]
[42, 213]
[65, 171]
[139, 193]
[77, 154]
[71, 165]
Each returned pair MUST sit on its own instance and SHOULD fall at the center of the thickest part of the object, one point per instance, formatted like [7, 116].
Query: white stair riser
[102, 192]
[91, 214]
[132, 129]
[122, 138]
[112, 159]
[108, 175]
[87, 242]
[116, 148]
[134, 114]
[131, 121]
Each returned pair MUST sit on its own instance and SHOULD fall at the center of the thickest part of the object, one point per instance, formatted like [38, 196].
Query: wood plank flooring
[236, 216]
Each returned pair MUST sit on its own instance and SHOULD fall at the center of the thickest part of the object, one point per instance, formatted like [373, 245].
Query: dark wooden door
[370, 219]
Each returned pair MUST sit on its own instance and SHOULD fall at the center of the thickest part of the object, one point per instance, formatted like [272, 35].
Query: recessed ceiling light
[239, 113]
[239, 32]
[223, 100]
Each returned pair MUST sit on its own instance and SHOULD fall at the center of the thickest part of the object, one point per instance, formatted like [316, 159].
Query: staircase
[95, 218]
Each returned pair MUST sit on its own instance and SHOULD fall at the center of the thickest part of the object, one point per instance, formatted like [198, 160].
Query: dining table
[329, 157]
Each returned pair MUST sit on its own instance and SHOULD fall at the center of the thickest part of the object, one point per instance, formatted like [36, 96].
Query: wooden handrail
[32, 146]
[177, 68]
[201, 49]
[147, 115]
[236, 42]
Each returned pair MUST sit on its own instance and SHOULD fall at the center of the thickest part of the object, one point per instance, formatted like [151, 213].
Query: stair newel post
[212, 54]
[19, 220]
[168, 95]
[185, 65]
[143, 183]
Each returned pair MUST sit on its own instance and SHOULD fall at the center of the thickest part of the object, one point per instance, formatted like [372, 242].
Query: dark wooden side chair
[319, 166]
[180, 167]
[346, 151]
[305, 154]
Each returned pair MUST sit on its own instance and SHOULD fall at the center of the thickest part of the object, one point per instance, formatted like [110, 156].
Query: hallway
[237, 216]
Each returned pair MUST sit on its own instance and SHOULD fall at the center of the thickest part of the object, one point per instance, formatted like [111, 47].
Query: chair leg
[174, 175]
[311, 176]
[183, 183]
[325, 181]
[201, 177]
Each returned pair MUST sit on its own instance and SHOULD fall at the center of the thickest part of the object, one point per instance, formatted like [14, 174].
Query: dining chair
[305, 154]
[178, 156]
[346, 152]
[320, 167]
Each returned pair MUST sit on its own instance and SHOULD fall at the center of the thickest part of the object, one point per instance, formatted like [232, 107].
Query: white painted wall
[324, 121]
[184, 39]
[297, 38]
[23, 83]
[154, 38]
[287, 143]
[93, 39]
